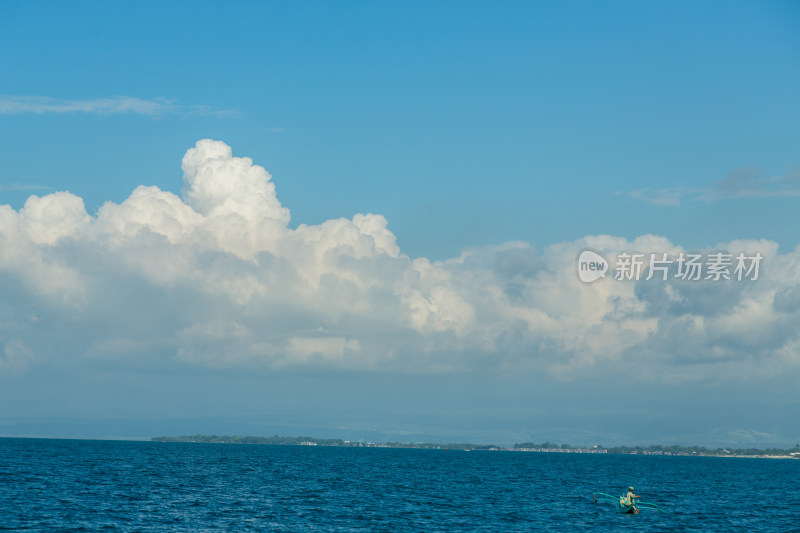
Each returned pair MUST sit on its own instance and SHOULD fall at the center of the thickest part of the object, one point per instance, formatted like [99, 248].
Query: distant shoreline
[760, 456]
[671, 450]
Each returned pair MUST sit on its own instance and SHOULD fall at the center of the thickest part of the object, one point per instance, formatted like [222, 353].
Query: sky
[364, 220]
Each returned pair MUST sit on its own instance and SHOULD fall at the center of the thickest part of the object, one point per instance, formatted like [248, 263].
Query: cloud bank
[216, 278]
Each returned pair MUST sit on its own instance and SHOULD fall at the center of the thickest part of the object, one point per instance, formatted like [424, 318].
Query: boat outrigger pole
[624, 507]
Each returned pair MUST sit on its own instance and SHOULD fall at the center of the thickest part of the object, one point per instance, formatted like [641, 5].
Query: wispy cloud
[39, 105]
[23, 187]
[668, 196]
[746, 182]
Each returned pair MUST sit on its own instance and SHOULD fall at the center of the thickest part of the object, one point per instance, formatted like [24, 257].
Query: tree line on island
[546, 446]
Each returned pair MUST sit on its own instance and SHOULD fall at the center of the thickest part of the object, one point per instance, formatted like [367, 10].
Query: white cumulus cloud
[217, 278]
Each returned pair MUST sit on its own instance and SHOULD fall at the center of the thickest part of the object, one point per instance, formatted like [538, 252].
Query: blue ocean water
[73, 485]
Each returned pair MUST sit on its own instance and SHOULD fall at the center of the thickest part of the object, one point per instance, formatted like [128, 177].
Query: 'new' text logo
[591, 266]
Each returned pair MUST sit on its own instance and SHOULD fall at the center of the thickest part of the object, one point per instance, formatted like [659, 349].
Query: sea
[84, 485]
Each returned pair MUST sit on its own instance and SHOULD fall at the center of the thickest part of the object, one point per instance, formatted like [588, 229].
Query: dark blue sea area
[79, 485]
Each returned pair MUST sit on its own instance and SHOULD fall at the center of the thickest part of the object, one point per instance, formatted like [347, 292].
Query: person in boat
[629, 498]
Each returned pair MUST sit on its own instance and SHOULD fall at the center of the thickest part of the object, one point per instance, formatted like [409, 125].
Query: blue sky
[443, 164]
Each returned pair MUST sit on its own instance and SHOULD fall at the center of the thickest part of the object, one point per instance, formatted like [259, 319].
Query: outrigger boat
[623, 505]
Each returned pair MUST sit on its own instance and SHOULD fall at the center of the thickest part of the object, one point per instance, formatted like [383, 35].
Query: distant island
[546, 447]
